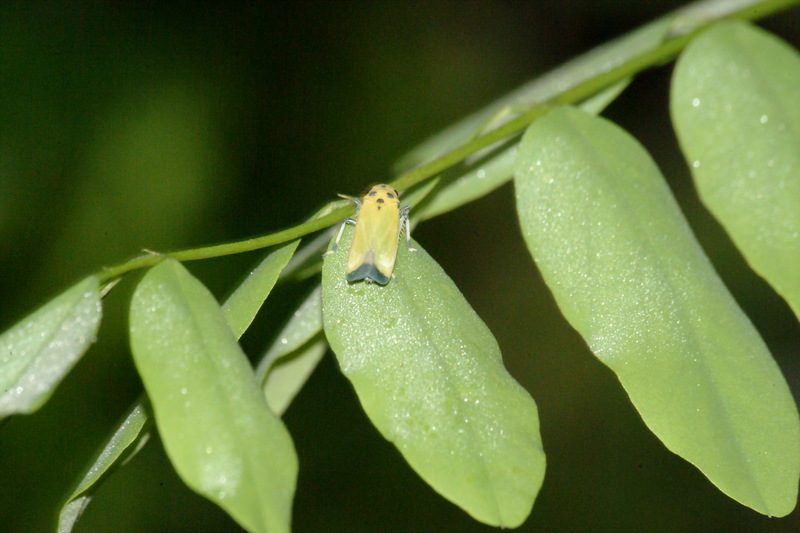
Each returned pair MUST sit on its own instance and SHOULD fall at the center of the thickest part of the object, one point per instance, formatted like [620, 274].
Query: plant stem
[664, 52]
[219, 250]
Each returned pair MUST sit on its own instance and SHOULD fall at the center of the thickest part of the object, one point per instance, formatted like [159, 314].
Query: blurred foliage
[168, 125]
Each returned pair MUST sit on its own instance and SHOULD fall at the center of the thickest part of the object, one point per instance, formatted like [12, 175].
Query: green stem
[219, 250]
[664, 52]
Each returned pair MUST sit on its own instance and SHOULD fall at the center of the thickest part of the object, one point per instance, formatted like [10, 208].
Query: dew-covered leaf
[628, 274]
[211, 414]
[40, 350]
[430, 376]
[735, 104]
[130, 435]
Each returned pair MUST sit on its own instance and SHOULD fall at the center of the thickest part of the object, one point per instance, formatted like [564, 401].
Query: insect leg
[405, 222]
[351, 221]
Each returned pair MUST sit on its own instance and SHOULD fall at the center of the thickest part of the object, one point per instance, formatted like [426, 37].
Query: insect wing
[385, 240]
[374, 247]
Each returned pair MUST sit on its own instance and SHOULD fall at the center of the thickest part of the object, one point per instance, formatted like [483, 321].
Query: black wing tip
[368, 272]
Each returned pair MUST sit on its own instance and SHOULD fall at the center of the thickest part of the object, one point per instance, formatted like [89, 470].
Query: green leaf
[39, 351]
[239, 311]
[294, 355]
[430, 376]
[130, 435]
[241, 307]
[469, 181]
[736, 107]
[629, 275]
[211, 414]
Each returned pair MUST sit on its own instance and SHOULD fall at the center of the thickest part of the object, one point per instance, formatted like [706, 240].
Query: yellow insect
[379, 222]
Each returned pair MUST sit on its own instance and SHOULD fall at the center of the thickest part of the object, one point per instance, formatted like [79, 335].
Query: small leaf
[416, 195]
[128, 438]
[212, 417]
[628, 274]
[294, 355]
[736, 107]
[429, 374]
[469, 181]
[241, 307]
[39, 351]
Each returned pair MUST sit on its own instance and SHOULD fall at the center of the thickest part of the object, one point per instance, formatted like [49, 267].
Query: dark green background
[171, 125]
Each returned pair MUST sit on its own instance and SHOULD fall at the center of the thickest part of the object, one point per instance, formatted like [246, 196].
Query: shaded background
[171, 125]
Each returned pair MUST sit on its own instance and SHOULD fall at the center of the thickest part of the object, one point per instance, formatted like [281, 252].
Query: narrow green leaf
[39, 351]
[128, 438]
[417, 195]
[628, 274]
[736, 107]
[430, 376]
[241, 307]
[469, 181]
[212, 417]
[294, 355]
[488, 170]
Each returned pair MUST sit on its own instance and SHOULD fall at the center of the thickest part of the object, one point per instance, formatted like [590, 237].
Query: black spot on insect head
[379, 200]
[372, 193]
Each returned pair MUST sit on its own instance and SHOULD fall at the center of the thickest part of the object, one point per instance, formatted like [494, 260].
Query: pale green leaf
[736, 107]
[128, 438]
[242, 305]
[628, 274]
[415, 196]
[40, 350]
[294, 355]
[211, 414]
[430, 376]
